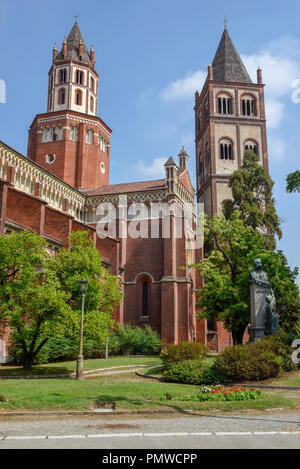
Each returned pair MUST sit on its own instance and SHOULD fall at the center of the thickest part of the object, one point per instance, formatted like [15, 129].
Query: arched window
[74, 133]
[226, 150]
[62, 76]
[92, 84]
[251, 145]
[92, 104]
[79, 77]
[249, 107]
[89, 136]
[145, 298]
[78, 97]
[61, 96]
[225, 104]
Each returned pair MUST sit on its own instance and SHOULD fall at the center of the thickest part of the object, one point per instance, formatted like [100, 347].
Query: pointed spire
[75, 44]
[227, 64]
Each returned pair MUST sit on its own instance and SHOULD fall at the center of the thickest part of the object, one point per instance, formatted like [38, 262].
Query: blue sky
[151, 56]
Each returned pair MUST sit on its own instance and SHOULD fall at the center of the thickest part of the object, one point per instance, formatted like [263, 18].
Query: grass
[288, 379]
[129, 392]
[70, 367]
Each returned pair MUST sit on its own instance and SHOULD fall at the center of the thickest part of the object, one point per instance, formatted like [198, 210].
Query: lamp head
[83, 286]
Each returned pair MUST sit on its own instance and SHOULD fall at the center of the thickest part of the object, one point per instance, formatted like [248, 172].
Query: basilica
[59, 185]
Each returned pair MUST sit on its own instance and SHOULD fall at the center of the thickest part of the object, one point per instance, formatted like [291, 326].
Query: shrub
[185, 371]
[133, 340]
[192, 372]
[183, 351]
[260, 360]
[148, 341]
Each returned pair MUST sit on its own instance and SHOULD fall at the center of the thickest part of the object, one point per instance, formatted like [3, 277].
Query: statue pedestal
[258, 311]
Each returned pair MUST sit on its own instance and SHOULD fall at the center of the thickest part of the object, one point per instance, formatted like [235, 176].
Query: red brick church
[58, 187]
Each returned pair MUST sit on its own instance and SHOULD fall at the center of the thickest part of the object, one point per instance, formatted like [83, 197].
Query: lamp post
[79, 370]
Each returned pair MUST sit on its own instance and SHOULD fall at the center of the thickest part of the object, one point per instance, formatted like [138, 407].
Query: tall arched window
[145, 298]
[249, 107]
[225, 104]
[61, 96]
[92, 84]
[79, 77]
[89, 136]
[62, 76]
[92, 104]
[78, 97]
[74, 133]
[251, 145]
[226, 149]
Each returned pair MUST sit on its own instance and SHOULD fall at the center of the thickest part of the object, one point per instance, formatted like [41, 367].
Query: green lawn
[70, 367]
[288, 379]
[129, 392]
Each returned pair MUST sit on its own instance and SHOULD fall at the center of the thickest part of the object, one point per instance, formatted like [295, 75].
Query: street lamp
[79, 370]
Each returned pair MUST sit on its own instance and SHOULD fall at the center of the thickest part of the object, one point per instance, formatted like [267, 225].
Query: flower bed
[221, 393]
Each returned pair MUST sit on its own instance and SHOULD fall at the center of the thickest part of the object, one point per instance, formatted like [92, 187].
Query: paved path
[268, 430]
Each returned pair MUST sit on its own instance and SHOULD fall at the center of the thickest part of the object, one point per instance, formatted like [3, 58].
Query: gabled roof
[227, 64]
[73, 41]
[127, 188]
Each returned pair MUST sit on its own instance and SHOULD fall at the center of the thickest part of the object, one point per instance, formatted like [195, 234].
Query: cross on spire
[225, 22]
[76, 18]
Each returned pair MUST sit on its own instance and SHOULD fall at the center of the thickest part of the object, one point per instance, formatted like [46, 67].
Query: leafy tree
[83, 261]
[293, 182]
[32, 303]
[252, 191]
[226, 268]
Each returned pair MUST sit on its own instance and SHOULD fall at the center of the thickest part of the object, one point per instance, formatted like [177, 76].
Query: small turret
[55, 52]
[259, 76]
[183, 158]
[92, 56]
[65, 48]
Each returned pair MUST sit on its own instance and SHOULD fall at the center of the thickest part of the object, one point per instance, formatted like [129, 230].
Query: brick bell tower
[70, 140]
[229, 118]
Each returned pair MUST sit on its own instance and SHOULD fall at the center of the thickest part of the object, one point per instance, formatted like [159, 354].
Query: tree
[32, 303]
[293, 182]
[226, 268]
[252, 191]
[83, 261]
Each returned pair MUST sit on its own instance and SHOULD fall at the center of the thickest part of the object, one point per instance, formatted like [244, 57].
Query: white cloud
[154, 170]
[184, 87]
[277, 148]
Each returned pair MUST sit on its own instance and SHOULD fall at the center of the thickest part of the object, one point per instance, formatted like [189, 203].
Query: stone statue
[271, 315]
[264, 319]
[258, 276]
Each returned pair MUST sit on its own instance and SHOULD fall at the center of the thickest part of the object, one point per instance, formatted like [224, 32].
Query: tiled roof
[227, 64]
[127, 188]
[73, 41]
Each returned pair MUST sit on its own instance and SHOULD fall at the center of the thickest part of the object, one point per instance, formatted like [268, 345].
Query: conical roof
[227, 64]
[73, 40]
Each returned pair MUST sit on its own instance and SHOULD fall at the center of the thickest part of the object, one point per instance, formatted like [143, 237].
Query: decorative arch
[226, 148]
[251, 144]
[248, 105]
[224, 103]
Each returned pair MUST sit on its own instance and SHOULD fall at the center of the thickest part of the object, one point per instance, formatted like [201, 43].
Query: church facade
[144, 231]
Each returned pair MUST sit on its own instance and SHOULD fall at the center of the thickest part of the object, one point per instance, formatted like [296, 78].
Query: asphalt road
[272, 430]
